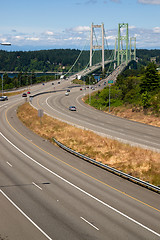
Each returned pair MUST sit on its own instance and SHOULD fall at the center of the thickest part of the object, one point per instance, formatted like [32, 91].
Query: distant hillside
[59, 59]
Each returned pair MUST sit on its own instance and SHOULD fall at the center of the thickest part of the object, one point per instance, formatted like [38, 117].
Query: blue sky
[49, 24]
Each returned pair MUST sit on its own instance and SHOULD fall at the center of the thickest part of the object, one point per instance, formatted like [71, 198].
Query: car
[59, 82]
[80, 89]
[43, 84]
[52, 83]
[28, 92]
[72, 108]
[68, 90]
[3, 98]
[24, 95]
[66, 94]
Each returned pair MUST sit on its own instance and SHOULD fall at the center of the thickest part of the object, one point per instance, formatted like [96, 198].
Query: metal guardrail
[104, 166]
[41, 93]
[113, 170]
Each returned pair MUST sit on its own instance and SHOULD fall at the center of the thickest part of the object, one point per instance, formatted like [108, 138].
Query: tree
[145, 100]
[151, 79]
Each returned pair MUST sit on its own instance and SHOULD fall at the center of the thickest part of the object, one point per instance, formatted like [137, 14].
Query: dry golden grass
[138, 162]
[149, 118]
[9, 94]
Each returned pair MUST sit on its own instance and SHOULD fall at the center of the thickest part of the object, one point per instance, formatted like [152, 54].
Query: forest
[58, 59]
[139, 89]
[55, 60]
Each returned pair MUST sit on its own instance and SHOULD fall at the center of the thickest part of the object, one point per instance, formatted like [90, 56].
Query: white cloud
[19, 37]
[81, 29]
[79, 37]
[112, 37]
[2, 39]
[32, 38]
[154, 2]
[49, 33]
[131, 27]
[156, 29]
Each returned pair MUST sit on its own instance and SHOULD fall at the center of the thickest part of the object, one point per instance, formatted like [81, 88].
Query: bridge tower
[132, 51]
[122, 51]
[99, 46]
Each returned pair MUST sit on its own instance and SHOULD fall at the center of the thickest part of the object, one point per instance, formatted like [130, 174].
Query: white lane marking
[89, 223]
[77, 120]
[5, 104]
[81, 190]
[36, 185]
[100, 133]
[25, 215]
[9, 164]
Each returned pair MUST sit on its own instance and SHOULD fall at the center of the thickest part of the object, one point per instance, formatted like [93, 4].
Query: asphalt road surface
[47, 193]
[137, 134]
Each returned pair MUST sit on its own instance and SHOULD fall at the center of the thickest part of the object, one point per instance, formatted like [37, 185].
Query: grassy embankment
[138, 162]
[9, 94]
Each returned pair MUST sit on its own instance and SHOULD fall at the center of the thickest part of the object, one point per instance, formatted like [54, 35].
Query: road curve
[137, 134]
[50, 194]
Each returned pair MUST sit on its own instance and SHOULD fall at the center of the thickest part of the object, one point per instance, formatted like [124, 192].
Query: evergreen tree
[151, 79]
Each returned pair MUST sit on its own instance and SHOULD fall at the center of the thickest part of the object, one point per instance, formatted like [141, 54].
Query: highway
[137, 134]
[47, 193]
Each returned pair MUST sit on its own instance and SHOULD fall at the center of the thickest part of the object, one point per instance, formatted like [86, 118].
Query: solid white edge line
[9, 164]
[132, 143]
[89, 223]
[36, 185]
[81, 190]
[25, 215]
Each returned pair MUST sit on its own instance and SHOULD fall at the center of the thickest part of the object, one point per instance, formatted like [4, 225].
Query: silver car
[72, 108]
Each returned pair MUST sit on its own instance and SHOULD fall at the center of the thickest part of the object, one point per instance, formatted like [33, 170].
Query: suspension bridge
[100, 55]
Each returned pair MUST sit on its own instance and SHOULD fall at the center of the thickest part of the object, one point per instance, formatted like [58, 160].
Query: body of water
[12, 75]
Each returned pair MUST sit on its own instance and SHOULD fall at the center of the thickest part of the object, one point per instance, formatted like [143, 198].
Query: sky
[49, 24]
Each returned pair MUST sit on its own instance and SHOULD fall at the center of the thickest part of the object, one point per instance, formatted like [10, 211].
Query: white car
[66, 94]
[72, 108]
[3, 98]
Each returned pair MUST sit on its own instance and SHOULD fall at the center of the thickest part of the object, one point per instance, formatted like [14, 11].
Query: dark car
[24, 95]
[68, 90]
[72, 108]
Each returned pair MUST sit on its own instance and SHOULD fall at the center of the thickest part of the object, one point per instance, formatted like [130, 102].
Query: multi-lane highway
[57, 104]
[46, 193]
